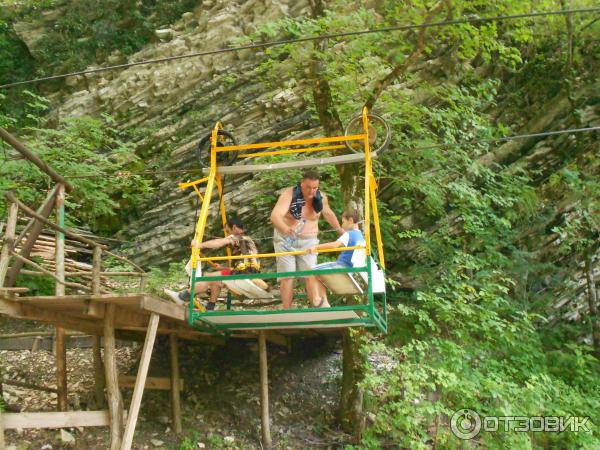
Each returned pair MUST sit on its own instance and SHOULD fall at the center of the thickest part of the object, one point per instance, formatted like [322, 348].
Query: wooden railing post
[175, 395]
[115, 401]
[264, 390]
[99, 378]
[35, 231]
[9, 240]
[61, 344]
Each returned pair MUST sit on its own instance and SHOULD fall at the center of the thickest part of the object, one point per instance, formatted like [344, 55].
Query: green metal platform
[367, 314]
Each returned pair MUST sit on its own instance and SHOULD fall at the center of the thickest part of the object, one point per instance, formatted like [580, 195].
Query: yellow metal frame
[214, 178]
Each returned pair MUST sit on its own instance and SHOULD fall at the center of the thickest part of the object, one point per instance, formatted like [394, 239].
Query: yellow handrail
[271, 255]
[294, 150]
[235, 148]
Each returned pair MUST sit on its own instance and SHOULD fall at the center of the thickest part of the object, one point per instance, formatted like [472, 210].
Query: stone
[229, 440]
[66, 437]
[156, 442]
[164, 34]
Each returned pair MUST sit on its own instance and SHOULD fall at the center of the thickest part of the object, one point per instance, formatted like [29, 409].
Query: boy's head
[350, 219]
[236, 226]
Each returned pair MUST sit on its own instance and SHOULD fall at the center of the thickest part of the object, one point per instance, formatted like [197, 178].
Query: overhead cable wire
[507, 138]
[412, 149]
[442, 23]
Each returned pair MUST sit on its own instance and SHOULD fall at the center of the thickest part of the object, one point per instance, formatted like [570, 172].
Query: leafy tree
[459, 213]
[93, 156]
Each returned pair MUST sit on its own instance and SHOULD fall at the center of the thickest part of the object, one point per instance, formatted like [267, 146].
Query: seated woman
[240, 244]
[352, 237]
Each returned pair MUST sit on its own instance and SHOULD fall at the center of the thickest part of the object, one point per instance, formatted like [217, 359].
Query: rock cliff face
[172, 105]
[177, 102]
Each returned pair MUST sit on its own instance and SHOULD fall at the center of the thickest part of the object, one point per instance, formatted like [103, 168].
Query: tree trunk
[350, 412]
[593, 302]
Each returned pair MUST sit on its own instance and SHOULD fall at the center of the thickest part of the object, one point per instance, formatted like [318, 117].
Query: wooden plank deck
[86, 313]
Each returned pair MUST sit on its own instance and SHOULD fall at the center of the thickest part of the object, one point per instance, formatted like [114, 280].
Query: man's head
[310, 184]
[350, 219]
[236, 227]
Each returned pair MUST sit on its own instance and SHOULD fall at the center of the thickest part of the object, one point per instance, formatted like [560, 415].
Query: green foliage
[190, 442]
[92, 156]
[174, 277]
[475, 333]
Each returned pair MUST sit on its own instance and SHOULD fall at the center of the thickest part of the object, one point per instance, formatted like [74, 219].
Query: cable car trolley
[366, 136]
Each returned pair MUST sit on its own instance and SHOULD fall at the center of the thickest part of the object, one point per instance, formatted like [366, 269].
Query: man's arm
[280, 210]
[330, 217]
[214, 243]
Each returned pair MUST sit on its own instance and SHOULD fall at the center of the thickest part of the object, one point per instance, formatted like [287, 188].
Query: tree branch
[384, 83]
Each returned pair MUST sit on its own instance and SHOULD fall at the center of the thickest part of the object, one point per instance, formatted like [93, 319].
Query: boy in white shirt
[352, 237]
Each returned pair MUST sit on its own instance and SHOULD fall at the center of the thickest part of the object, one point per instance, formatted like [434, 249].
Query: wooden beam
[162, 307]
[40, 217]
[264, 391]
[9, 241]
[152, 383]
[65, 419]
[36, 333]
[138, 390]
[99, 379]
[35, 159]
[115, 401]
[62, 403]
[175, 382]
[10, 308]
[109, 298]
[57, 318]
[276, 338]
[16, 290]
[62, 282]
[125, 260]
[28, 385]
[36, 229]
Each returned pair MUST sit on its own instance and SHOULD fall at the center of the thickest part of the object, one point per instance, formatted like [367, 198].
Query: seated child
[351, 238]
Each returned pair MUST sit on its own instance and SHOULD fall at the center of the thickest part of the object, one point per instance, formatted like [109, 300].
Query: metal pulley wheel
[224, 138]
[380, 134]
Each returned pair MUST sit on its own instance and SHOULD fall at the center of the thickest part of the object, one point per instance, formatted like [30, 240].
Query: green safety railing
[369, 316]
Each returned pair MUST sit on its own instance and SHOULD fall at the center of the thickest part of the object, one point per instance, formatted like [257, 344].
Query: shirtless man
[303, 202]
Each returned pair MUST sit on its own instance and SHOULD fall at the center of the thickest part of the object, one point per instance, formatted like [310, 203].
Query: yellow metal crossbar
[192, 183]
[271, 255]
[236, 148]
[294, 150]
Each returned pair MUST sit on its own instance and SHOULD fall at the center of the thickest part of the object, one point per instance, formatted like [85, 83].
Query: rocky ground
[220, 401]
